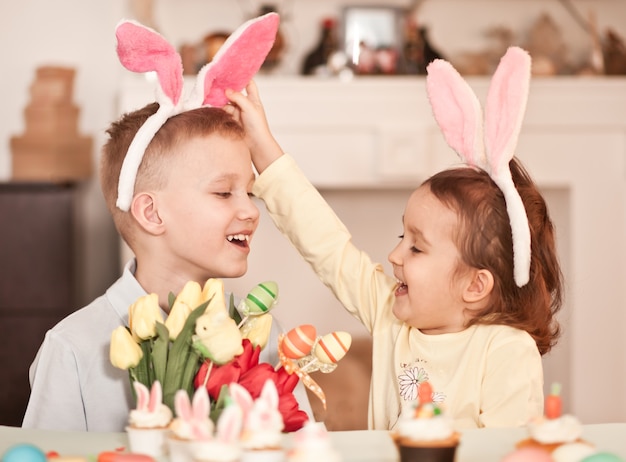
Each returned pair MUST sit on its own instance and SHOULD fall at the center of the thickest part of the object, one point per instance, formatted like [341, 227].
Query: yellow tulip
[188, 298]
[124, 351]
[257, 329]
[143, 316]
[214, 290]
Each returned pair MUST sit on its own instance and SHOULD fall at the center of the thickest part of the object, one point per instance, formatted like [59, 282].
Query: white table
[485, 445]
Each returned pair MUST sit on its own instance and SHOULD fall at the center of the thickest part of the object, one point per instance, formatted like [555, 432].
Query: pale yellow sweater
[485, 376]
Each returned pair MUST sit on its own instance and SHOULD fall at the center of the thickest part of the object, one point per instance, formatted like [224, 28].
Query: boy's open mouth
[242, 240]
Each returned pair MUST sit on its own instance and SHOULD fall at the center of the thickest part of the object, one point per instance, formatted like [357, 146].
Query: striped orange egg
[332, 347]
[299, 341]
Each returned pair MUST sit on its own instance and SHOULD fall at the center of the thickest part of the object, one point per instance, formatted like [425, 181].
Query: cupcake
[312, 444]
[192, 423]
[148, 423]
[224, 445]
[424, 433]
[554, 429]
[261, 437]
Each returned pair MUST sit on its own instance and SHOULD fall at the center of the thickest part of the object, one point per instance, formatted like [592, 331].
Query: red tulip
[246, 370]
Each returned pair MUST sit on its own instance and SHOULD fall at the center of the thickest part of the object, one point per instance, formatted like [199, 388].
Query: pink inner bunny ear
[143, 395]
[230, 424]
[456, 110]
[141, 49]
[156, 396]
[506, 105]
[201, 404]
[182, 405]
[238, 60]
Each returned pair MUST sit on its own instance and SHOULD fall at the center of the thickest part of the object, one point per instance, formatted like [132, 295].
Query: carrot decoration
[554, 405]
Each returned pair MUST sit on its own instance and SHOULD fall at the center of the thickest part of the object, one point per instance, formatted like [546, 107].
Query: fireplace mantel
[378, 133]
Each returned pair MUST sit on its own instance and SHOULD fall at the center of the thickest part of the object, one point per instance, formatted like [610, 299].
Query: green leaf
[232, 310]
[191, 368]
[179, 356]
[160, 352]
[143, 369]
[223, 400]
[171, 298]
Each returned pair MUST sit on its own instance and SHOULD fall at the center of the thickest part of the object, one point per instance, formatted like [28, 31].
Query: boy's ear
[144, 209]
[479, 287]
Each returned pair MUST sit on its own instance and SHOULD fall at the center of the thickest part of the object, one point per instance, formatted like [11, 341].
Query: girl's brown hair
[484, 242]
[162, 150]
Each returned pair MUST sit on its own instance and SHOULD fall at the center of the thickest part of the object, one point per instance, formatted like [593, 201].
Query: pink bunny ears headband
[489, 145]
[141, 49]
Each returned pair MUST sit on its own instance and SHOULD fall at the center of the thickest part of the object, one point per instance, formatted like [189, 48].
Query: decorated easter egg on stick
[299, 341]
[332, 347]
[260, 299]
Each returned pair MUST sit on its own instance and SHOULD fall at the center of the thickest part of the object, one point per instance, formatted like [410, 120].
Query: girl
[470, 307]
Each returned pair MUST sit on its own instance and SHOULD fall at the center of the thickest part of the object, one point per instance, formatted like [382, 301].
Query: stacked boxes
[51, 148]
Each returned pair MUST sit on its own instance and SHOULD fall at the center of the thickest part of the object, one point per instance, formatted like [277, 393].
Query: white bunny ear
[269, 394]
[506, 105]
[229, 424]
[143, 396]
[141, 49]
[156, 396]
[241, 397]
[201, 404]
[457, 111]
[183, 405]
[236, 62]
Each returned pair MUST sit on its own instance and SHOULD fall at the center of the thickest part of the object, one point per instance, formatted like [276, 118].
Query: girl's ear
[479, 286]
[144, 209]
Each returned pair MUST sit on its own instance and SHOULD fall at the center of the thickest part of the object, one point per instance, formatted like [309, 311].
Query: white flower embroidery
[409, 382]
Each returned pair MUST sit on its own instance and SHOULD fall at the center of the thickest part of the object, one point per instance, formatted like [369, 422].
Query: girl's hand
[248, 110]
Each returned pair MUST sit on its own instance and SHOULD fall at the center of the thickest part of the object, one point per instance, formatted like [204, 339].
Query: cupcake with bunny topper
[554, 429]
[312, 443]
[148, 422]
[261, 436]
[424, 433]
[224, 445]
[191, 424]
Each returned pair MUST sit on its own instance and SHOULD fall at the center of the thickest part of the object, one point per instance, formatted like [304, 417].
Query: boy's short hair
[153, 171]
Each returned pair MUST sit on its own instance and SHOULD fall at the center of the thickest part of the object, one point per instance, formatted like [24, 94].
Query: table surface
[484, 445]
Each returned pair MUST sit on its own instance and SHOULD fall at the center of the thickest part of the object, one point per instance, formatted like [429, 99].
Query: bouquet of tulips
[202, 343]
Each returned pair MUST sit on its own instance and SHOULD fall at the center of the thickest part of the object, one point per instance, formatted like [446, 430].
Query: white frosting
[312, 444]
[215, 451]
[192, 430]
[572, 452]
[160, 418]
[433, 427]
[564, 429]
[263, 426]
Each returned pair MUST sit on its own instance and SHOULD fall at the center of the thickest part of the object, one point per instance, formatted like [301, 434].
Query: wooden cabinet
[36, 280]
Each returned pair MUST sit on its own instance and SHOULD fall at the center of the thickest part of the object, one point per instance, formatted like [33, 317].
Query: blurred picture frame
[372, 38]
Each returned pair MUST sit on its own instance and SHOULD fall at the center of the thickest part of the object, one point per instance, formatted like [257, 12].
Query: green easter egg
[261, 299]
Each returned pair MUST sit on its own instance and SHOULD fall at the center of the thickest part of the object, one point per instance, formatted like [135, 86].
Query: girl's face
[207, 208]
[425, 262]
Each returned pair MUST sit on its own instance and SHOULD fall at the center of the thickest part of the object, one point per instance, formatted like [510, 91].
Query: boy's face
[208, 212]
[429, 293]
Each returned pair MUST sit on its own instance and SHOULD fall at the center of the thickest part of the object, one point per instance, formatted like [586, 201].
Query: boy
[191, 218]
